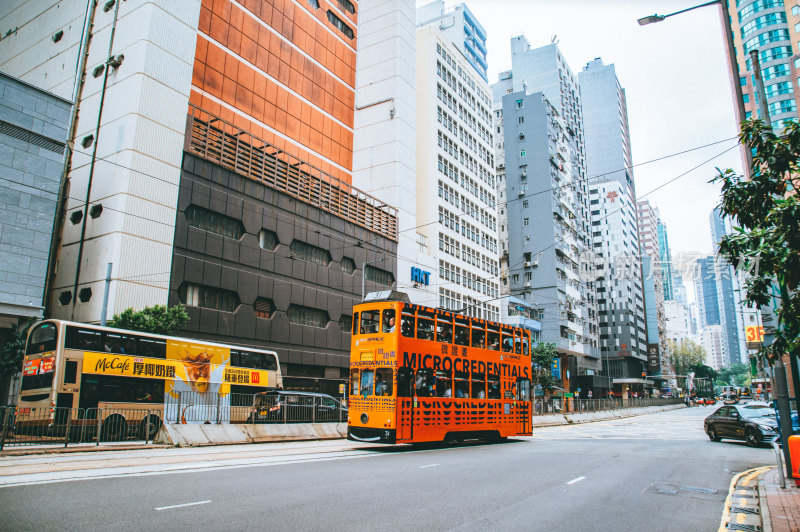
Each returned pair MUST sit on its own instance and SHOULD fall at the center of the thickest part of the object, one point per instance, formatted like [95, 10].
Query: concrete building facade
[612, 199]
[545, 212]
[33, 134]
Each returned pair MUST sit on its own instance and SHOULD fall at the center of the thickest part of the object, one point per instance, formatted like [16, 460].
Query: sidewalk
[780, 508]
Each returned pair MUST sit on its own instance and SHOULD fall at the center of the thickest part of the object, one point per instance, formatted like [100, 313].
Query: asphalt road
[654, 472]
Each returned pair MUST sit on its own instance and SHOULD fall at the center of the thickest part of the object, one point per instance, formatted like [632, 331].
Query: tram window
[462, 336]
[424, 329]
[526, 341]
[404, 382]
[369, 321]
[367, 377]
[423, 383]
[494, 386]
[494, 341]
[508, 343]
[354, 381]
[478, 337]
[444, 383]
[355, 323]
[478, 386]
[461, 384]
[388, 320]
[444, 332]
[523, 390]
[407, 326]
[383, 381]
[518, 345]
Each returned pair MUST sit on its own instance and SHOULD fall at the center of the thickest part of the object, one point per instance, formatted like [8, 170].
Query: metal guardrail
[216, 140]
[573, 405]
[112, 422]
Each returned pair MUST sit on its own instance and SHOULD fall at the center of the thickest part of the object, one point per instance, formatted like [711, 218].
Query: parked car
[286, 406]
[755, 424]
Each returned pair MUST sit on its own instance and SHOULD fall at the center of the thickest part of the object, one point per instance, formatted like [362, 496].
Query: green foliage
[686, 355]
[735, 375]
[12, 352]
[705, 372]
[542, 356]
[157, 319]
[766, 243]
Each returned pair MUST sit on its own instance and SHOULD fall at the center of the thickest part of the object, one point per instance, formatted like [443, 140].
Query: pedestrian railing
[573, 405]
[56, 425]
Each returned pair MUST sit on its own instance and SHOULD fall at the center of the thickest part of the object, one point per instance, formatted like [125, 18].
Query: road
[653, 472]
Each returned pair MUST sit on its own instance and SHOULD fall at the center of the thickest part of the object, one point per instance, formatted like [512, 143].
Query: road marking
[574, 480]
[182, 505]
[430, 465]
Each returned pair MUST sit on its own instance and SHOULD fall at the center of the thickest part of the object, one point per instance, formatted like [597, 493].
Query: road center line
[182, 505]
[430, 465]
[574, 480]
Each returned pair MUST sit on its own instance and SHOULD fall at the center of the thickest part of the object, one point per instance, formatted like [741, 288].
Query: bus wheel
[115, 428]
[155, 424]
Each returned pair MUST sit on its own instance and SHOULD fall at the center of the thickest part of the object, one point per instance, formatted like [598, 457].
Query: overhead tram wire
[498, 205]
[59, 194]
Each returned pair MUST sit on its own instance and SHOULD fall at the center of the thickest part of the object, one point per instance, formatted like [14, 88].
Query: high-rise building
[712, 338]
[767, 26]
[212, 166]
[455, 161]
[32, 141]
[612, 195]
[652, 279]
[665, 258]
[546, 213]
[729, 290]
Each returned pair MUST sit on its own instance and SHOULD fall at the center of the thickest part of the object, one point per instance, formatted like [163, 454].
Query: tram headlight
[364, 418]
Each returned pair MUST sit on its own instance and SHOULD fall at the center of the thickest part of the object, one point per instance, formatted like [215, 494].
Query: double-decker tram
[419, 374]
[75, 374]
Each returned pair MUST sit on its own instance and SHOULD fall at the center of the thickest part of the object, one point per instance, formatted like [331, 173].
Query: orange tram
[419, 374]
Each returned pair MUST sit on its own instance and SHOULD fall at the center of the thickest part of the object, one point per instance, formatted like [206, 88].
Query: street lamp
[733, 64]
[364, 273]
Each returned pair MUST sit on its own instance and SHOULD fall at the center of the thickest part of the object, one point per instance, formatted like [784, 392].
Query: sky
[675, 74]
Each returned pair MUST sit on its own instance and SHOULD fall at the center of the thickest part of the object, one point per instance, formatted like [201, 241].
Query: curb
[743, 508]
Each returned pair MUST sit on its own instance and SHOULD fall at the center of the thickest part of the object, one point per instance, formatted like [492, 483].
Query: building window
[526, 221]
[746, 98]
[525, 204]
[196, 295]
[307, 316]
[213, 222]
[267, 239]
[345, 322]
[522, 153]
[348, 6]
[521, 119]
[377, 275]
[314, 3]
[348, 265]
[309, 253]
[795, 10]
[520, 104]
[340, 25]
[263, 307]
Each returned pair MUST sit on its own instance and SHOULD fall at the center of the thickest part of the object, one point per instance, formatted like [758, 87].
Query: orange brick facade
[282, 71]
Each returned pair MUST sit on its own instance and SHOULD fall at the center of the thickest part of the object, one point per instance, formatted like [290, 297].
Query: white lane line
[574, 480]
[182, 505]
[430, 465]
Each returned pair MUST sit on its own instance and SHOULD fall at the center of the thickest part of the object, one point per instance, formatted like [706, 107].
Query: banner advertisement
[653, 359]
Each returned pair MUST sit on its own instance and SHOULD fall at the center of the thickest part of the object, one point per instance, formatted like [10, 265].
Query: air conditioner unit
[527, 284]
[521, 192]
[527, 264]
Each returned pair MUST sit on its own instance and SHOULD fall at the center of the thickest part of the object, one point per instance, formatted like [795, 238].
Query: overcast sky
[675, 76]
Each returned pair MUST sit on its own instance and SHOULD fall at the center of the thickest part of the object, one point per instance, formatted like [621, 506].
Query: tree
[735, 375]
[12, 352]
[686, 355]
[542, 356]
[766, 241]
[157, 319]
